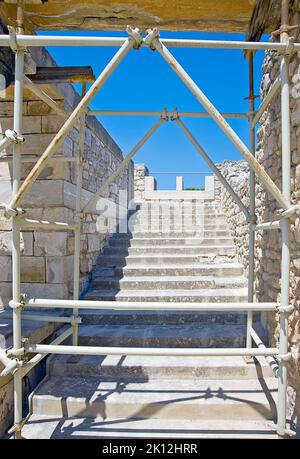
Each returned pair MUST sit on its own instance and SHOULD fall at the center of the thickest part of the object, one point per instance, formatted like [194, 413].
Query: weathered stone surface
[33, 269]
[59, 269]
[50, 243]
[5, 268]
[205, 15]
[237, 175]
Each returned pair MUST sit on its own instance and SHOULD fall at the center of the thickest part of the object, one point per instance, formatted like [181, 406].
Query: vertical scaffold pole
[16, 272]
[251, 202]
[285, 226]
[78, 219]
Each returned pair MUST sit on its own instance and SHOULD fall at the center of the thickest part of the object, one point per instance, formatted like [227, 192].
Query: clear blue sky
[145, 82]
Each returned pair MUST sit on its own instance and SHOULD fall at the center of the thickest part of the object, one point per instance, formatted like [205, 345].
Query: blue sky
[145, 82]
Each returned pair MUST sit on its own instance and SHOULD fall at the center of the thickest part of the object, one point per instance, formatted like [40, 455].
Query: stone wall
[267, 281]
[47, 257]
[237, 175]
[140, 172]
[267, 250]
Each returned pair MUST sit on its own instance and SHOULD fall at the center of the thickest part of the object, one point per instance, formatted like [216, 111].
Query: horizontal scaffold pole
[154, 42]
[121, 167]
[71, 121]
[137, 305]
[214, 168]
[159, 113]
[95, 350]
[56, 40]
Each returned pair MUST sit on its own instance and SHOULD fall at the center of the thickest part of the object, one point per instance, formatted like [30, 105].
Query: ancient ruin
[112, 292]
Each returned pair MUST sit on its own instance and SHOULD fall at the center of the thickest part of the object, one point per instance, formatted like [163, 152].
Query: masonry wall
[268, 252]
[47, 257]
[237, 175]
[267, 281]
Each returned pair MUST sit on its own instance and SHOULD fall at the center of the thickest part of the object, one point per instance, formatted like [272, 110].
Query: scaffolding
[13, 359]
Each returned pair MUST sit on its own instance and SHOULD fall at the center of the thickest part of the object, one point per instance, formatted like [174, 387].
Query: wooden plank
[51, 75]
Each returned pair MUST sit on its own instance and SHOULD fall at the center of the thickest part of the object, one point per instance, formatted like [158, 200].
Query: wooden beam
[52, 75]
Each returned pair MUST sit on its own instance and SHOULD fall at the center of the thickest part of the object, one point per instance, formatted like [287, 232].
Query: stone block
[50, 243]
[5, 171]
[5, 243]
[31, 124]
[38, 107]
[59, 270]
[36, 290]
[5, 223]
[5, 190]
[5, 294]
[36, 144]
[27, 243]
[45, 193]
[93, 242]
[53, 171]
[51, 123]
[33, 269]
[5, 268]
[59, 214]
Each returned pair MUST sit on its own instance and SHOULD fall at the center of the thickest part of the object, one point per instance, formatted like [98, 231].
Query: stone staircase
[133, 396]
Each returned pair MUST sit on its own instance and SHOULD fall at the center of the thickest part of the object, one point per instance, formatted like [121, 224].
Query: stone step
[210, 216]
[172, 250]
[179, 259]
[46, 427]
[142, 236]
[205, 335]
[199, 295]
[171, 241]
[185, 399]
[213, 269]
[208, 230]
[147, 368]
[154, 317]
[167, 282]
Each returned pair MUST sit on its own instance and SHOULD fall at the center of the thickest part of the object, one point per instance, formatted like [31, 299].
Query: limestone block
[5, 190]
[5, 223]
[27, 243]
[36, 144]
[37, 107]
[5, 171]
[37, 290]
[59, 270]
[5, 268]
[45, 193]
[93, 242]
[51, 123]
[6, 108]
[31, 124]
[5, 294]
[53, 170]
[50, 243]
[59, 214]
[33, 269]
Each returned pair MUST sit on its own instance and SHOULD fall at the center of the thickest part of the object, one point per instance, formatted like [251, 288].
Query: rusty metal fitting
[164, 114]
[153, 34]
[135, 34]
[174, 116]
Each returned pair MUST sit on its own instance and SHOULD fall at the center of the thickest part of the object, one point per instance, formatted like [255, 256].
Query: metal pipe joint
[285, 309]
[152, 34]
[14, 137]
[136, 35]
